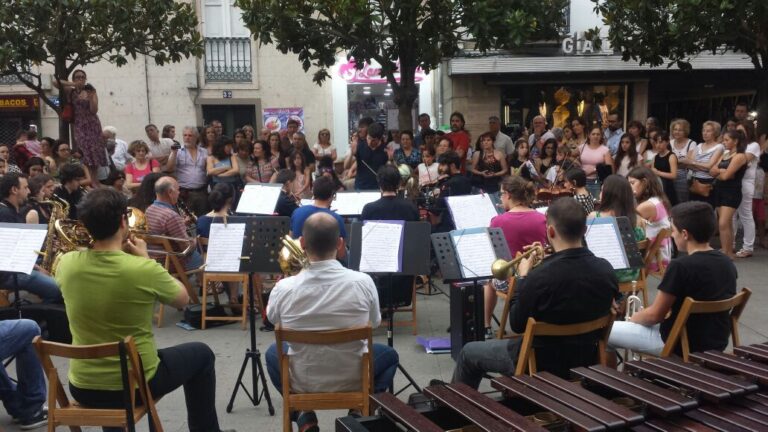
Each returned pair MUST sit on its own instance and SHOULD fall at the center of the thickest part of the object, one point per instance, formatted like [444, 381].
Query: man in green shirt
[109, 293]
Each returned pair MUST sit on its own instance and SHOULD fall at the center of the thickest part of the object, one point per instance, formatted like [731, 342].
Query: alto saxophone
[59, 211]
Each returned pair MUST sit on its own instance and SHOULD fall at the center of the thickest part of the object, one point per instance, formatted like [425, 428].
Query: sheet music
[471, 211]
[604, 241]
[382, 246]
[259, 199]
[474, 251]
[225, 247]
[18, 246]
[352, 203]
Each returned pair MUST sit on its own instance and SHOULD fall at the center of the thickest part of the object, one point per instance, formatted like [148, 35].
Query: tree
[674, 31]
[69, 34]
[417, 33]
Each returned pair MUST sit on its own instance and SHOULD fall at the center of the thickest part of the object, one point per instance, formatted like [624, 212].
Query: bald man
[163, 218]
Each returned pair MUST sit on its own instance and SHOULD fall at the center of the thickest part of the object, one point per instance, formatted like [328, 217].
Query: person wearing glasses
[323, 146]
[613, 133]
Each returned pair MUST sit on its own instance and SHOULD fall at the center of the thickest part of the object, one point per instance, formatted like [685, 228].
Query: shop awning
[597, 63]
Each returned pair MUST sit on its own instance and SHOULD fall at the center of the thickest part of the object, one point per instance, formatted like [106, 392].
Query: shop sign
[578, 44]
[371, 73]
[19, 103]
[276, 119]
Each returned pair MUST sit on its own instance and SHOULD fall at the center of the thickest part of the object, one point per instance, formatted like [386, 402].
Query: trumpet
[502, 270]
[137, 224]
[634, 303]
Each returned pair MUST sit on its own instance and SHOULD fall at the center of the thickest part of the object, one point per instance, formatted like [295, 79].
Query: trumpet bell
[292, 258]
[137, 220]
[500, 269]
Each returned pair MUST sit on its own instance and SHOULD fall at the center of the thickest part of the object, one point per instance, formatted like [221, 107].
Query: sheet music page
[259, 199]
[604, 241]
[474, 251]
[382, 246]
[352, 203]
[471, 211]
[225, 247]
[18, 246]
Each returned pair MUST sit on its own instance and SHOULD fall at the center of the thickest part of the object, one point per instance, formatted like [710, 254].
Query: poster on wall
[276, 119]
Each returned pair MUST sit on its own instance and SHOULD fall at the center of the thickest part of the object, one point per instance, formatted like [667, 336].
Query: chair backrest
[653, 252]
[679, 333]
[527, 356]
[172, 263]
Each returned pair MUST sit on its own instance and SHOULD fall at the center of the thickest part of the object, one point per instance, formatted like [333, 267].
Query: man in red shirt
[460, 138]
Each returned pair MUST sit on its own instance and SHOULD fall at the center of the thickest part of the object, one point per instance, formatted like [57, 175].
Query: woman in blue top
[407, 153]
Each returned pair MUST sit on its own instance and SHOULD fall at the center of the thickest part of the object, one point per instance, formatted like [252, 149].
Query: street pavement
[229, 343]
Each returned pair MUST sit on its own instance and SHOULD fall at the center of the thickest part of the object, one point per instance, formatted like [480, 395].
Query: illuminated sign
[578, 44]
[19, 103]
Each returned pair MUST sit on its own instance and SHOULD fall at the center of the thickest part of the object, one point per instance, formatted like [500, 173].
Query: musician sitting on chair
[323, 191]
[704, 274]
[164, 219]
[24, 400]
[569, 287]
[455, 184]
[287, 203]
[71, 176]
[326, 296]
[110, 292]
[13, 195]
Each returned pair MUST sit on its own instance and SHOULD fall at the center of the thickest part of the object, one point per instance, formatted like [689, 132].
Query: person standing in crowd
[429, 169]
[221, 164]
[159, 148]
[626, 156]
[650, 152]
[548, 156]
[5, 154]
[741, 111]
[539, 136]
[501, 141]
[444, 144]
[189, 163]
[424, 123]
[286, 202]
[488, 166]
[86, 126]
[521, 225]
[261, 166]
[208, 138]
[651, 123]
[665, 166]
[579, 126]
[243, 153]
[680, 146]
[407, 154]
[323, 146]
[46, 152]
[369, 154]
[731, 124]
[728, 174]
[591, 154]
[218, 128]
[703, 274]
[140, 166]
[250, 134]
[169, 131]
[653, 207]
[701, 159]
[613, 133]
[300, 144]
[744, 211]
[278, 152]
[120, 157]
[459, 138]
[520, 161]
[454, 184]
[40, 189]
[637, 130]
[25, 397]
[302, 186]
[34, 167]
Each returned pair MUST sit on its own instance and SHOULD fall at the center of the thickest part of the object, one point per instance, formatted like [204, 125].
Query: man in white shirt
[159, 148]
[120, 157]
[501, 141]
[539, 136]
[326, 296]
[613, 133]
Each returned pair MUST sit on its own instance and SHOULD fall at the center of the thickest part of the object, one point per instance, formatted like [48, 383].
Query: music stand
[465, 289]
[415, 261]
[263, 241]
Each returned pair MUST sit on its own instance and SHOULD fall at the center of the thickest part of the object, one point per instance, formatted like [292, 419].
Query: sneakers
[488, 333]
[39, 419]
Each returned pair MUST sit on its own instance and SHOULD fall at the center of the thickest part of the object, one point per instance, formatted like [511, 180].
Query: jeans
[385, 361]
[193, 261]
[744, 215]
[190, 365]
[478, 358]
[36, 283]
[22, 401]
[636, 337]
[593, 187]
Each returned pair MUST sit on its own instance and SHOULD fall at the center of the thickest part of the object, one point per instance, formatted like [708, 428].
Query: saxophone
[59, 210]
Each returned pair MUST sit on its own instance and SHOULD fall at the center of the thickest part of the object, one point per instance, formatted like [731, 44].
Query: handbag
[700, 188]
[68, 112]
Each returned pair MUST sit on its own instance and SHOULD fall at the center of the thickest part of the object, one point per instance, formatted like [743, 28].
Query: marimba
[718, 392]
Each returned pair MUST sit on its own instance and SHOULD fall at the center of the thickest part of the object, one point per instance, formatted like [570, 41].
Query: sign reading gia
[371, 73]
[579, 45]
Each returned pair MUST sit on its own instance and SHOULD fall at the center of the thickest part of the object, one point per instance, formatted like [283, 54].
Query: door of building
[232, 117]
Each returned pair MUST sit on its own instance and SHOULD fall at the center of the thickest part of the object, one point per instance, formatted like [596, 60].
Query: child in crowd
[576, 181]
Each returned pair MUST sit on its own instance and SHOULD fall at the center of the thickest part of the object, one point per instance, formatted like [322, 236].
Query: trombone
[502, 269]
[137, 225]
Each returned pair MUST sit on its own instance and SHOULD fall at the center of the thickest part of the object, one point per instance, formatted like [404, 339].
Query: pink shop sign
[370, 73]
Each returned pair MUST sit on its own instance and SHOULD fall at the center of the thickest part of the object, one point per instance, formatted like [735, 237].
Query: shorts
[758, 209]
[727, 197]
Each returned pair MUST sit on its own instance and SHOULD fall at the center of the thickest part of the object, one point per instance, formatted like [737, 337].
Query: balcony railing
[227, 59]
[9, 80]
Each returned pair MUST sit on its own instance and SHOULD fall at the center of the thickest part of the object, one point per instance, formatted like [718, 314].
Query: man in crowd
[370, 155]
[14, 191]
[613, 133]
[741, 111]
[424, 122]
[164, 219]
[120, 157]
[117, 278]
[539, 136]
[323, 191]
[71, 176]
[326, 296]
[454, 185]
[571, 286]
[460, 139]
[25, 399]
[502, 141]
[189, 165]
[218, 128]
[159, 148]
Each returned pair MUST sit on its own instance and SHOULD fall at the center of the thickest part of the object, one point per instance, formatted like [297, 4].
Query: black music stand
[262, 244]
[415, 261]
[466, 304]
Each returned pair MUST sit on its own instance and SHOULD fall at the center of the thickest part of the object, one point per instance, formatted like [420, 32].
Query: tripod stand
[391, 339]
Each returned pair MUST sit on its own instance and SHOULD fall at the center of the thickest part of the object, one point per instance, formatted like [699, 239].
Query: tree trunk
[406, 93]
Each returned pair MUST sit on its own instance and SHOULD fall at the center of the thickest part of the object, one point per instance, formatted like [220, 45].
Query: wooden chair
[679, 334]
[527, 358]
[62, 412]
[209, 277]
[173, 264]
[506, 299]
[653, 254]
[412, 309]
[5, 298]
[323, 401]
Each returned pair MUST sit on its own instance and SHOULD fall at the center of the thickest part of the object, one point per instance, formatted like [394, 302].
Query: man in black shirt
[704, 274]
[70, 191]
[454, 185]
[369, 158]
[286, 202]
[571, 286]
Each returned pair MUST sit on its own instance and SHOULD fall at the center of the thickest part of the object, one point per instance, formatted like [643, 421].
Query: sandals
[743, 254]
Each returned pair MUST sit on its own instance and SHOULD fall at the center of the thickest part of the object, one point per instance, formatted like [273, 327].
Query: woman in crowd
[744, 212]
[521, 225]
[548, 156]
[407, 154]
[65, 155]
[34, 167]
[653, 207]
[250, 134]
[208, 138]
[519, 162]
[140, 166]
[302, 186]
[300, 144]
[626, 155]
[323, 146]
[564, 160]
[488, 165]
[325, 168]
[5, 154]
[46, 152]
[701, 159]
[728, 174]
[591, 154]
[575, 180]
[145, 194]
[169, 131]
[243, 154]
[40, 190]
[429, 169]
[579, 127]
[650, 152]
[444, 144]
[681, 145]
[637, 130]
[86, 126]
[221, 165]
[665, 166]
[567, 135]
[261, 166]
[279, 156]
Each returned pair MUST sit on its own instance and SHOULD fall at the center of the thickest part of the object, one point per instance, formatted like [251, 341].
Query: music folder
[246, 244]
[472, 211]
[260, 198]
[613, 239]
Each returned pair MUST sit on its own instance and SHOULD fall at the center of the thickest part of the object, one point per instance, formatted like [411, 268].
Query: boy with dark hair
[454, 185]
[70, 191]
[323, 191]
[704, 274]
[370, 154]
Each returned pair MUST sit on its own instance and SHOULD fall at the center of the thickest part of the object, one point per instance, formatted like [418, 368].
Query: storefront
[17, 112]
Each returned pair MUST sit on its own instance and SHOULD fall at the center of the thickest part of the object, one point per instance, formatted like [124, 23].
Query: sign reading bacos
[578, 44]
